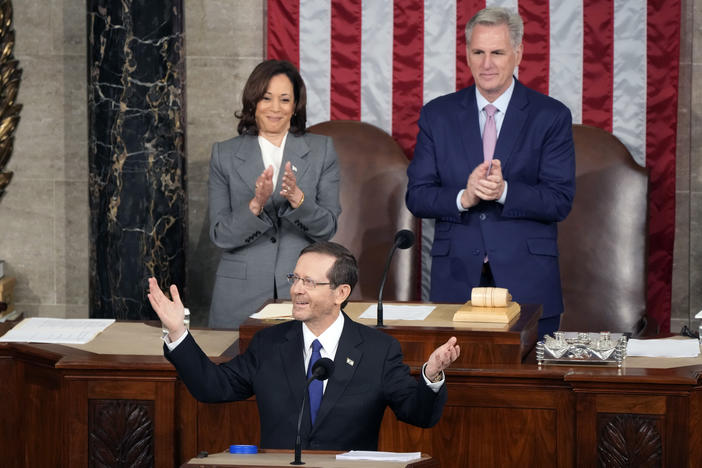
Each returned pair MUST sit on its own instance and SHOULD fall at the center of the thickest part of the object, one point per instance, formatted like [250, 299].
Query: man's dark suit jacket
[369, 375]
[536, 149]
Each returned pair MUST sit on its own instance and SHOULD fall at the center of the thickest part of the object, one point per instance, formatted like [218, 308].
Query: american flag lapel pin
[349, 361]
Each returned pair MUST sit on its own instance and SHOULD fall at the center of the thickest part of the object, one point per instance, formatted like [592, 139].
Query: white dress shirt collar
[329, 339]
[501, 102]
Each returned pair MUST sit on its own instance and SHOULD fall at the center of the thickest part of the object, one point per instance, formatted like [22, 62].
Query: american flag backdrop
[614, 63]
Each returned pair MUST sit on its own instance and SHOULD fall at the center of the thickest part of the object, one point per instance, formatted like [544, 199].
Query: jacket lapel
[348, 356]
[293, 364]
[512, 125]
[249, 161]
[469, 129]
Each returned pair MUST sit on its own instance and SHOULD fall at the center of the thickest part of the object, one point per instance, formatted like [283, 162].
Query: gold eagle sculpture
[10, 75]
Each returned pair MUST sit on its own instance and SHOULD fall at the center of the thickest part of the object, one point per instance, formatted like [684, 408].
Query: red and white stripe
[614, 63]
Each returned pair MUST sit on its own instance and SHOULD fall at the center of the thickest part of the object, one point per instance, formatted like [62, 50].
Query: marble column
[136, 133]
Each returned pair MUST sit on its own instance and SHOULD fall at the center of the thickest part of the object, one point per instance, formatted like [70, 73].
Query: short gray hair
[496, 17]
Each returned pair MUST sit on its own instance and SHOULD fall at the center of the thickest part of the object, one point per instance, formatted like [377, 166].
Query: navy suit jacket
[535, 147]
[369, 375]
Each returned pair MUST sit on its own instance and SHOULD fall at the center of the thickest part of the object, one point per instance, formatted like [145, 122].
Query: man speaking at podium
[368, 375]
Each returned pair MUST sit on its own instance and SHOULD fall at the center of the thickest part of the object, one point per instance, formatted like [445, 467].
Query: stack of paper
[398, 312]
[666, 347]
[379, 456]
[274, 311]
[55, 330]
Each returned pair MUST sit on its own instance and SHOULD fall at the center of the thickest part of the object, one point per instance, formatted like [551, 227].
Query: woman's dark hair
[345, 268]
[256, 87]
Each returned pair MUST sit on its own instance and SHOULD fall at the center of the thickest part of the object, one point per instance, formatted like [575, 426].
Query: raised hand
[171, 312]
[441, 358]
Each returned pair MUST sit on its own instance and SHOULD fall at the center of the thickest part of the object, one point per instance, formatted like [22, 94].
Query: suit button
[483, 216]
[272, 240]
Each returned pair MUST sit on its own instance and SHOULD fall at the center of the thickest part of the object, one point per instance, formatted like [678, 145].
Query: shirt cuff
[434, 386]
[174, 344]
[458, 201]
[503, 197]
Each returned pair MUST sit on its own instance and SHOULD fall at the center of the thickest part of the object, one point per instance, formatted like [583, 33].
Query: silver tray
[582, 348]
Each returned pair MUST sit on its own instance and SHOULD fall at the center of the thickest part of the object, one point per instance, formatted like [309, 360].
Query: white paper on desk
[379, 456]
[56, 330]
[398, 312]
[274, 311]
[666, 347]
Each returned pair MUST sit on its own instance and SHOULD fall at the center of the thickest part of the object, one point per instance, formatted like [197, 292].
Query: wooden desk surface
[282, 458]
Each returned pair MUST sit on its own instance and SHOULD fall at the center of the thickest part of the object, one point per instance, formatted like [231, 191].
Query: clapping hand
[264, 189]
[493, 184]
[289, 188]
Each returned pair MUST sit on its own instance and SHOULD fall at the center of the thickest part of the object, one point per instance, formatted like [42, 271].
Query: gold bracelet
[301, 200]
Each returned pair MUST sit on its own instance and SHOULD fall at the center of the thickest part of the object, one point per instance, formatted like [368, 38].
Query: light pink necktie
[489, 139]
[489, 133]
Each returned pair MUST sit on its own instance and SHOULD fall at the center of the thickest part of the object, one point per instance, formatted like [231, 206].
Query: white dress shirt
[329, 339]
[272, 155]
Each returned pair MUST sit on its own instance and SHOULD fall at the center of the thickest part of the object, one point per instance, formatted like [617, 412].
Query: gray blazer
[259, 251]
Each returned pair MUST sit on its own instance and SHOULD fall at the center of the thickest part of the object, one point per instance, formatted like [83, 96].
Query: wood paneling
[500, 414]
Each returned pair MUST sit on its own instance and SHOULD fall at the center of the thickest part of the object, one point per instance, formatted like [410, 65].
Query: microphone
[321, 370]
[404, 239]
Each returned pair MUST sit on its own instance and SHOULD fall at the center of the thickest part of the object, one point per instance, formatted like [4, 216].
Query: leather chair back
[373, 184]
[602, 242]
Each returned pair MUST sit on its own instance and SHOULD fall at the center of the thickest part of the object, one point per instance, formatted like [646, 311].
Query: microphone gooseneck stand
[404, 239]
[321, 370]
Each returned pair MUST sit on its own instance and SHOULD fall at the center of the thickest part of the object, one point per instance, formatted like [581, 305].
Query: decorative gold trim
[10, 75]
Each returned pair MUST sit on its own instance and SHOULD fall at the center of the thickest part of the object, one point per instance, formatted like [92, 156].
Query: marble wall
[136, 150]
[44, 215]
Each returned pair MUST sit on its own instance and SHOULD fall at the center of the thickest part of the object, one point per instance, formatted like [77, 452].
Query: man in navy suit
[369, 373]
[495, 219]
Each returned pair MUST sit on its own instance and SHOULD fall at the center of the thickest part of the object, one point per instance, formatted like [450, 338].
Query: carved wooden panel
[629, 440]
[121, 433]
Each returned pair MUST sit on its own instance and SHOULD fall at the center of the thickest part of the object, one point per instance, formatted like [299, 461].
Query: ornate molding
[121, 433]
[10, 75]
[630, 440]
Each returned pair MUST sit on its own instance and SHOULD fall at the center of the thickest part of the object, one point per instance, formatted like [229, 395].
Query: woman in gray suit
[273, 190]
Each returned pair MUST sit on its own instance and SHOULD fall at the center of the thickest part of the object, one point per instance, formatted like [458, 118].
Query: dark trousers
[486, 279]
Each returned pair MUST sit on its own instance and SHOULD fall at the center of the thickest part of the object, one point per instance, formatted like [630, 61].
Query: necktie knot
[490, 110]
[316, 346]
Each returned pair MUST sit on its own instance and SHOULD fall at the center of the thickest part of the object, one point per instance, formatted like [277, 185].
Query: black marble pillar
[136, 121]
